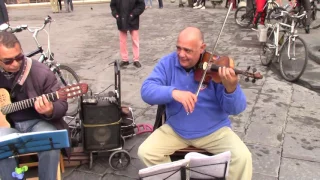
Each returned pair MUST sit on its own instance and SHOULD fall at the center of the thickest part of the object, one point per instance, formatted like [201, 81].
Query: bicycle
[244, 20]
[314, 16]
[47, 57]
[281, 48]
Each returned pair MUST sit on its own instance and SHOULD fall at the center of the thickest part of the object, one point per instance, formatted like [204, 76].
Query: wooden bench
[77, 157]
[24, 160]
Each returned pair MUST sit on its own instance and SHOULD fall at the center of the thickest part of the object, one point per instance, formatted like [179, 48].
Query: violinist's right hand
[186, 98]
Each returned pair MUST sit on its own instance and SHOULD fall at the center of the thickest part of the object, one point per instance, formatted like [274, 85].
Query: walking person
[4, 18]
[127, 15]
[307, 7]
[160, 4]
[68, 5]
[150, 3]
[260, 11]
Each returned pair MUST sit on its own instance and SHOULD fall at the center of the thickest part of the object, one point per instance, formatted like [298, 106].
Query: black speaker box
[101, 138]
[101, 123]
[101, 116]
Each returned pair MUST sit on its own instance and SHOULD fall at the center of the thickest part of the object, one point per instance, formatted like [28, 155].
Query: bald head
[190, 46]
[191, 33]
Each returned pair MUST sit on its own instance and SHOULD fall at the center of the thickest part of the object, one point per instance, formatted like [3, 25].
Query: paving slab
[293, 169]
[266, 160]
[301, 147]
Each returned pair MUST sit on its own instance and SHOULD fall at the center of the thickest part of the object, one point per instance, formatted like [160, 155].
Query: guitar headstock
[71, 91]
[254, 75]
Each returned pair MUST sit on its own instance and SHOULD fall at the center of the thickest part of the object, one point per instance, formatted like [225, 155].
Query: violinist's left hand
[229, 79]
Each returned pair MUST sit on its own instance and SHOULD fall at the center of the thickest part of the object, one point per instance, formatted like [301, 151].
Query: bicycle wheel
[242, 17]
[67, 76]
[293, 56]
[267, 53]
[274, 15]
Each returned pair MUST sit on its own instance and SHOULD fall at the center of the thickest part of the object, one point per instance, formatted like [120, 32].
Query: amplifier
[101, 122]
[100, 110]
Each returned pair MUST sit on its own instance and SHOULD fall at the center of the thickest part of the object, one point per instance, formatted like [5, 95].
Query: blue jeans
[48, 160]
[146, 2]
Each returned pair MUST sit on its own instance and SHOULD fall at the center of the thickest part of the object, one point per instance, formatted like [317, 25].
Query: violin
[220, 61]
[207, 68]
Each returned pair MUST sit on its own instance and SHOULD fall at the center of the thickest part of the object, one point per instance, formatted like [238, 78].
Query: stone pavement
[280, 124]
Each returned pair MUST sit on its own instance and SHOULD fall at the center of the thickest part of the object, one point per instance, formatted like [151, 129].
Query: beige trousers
[54, 6]
[164, 142]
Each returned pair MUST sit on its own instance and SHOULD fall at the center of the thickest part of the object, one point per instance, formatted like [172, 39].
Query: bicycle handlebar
[294, 16]
[18, 29]
[47, 20]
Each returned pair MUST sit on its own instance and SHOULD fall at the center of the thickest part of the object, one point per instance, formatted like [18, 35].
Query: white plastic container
[262, 33]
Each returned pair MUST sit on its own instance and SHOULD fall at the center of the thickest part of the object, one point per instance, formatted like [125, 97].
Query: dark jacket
[128, 12]
[41, 80]
[3, 13]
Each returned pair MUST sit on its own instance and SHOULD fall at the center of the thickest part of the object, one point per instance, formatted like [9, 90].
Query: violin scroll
[254, 75]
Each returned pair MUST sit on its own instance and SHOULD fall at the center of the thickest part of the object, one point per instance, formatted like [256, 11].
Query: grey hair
[8, 39]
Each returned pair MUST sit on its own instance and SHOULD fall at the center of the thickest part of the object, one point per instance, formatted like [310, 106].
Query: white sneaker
[203, 7]
[194, 4]
[198, 7]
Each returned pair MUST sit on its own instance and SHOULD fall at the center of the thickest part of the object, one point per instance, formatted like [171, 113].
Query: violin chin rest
[231, 62]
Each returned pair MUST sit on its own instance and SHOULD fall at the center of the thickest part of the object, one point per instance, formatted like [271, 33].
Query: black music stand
[16, 144]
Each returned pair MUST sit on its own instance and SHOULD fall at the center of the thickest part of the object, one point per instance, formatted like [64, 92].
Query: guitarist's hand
[43, 106]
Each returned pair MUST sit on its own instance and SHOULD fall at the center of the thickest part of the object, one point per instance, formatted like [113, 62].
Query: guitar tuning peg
[254, 70]
[253, 80]
[246, 79]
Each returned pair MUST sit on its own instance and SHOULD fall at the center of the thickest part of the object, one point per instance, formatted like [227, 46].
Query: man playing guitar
[25, 78]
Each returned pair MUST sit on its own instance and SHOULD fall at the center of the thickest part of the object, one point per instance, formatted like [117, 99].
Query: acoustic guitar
[6, 107]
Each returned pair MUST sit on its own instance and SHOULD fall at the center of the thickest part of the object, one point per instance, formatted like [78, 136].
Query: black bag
[127, 123]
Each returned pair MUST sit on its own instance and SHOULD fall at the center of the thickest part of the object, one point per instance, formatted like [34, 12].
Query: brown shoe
[137, 64]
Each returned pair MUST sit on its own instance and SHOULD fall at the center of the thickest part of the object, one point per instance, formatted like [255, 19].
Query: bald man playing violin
[200, 121]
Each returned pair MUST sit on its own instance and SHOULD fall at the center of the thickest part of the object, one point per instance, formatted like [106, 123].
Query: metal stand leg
[91, 160]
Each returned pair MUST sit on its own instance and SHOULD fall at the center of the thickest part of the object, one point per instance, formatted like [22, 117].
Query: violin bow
[214, 48]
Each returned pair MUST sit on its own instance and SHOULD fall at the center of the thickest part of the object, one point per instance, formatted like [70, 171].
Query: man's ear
[203, 47]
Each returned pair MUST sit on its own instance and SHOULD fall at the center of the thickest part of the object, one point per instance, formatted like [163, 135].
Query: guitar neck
[17, 106]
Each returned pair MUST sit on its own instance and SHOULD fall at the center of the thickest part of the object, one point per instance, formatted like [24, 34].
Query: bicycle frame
[39, 50]
[292, 35]
[46, 57]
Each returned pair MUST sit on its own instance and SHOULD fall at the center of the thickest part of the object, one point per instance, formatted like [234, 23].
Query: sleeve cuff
[170, 91]
[52, 115]
[232, 95]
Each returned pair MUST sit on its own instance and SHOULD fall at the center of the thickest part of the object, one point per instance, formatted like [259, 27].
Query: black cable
[105, 89]
[90, 91]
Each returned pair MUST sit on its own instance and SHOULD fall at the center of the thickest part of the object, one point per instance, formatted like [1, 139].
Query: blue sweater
[212, 109]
